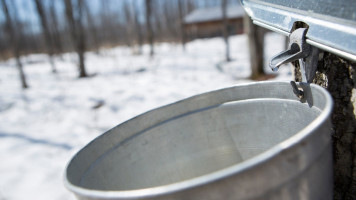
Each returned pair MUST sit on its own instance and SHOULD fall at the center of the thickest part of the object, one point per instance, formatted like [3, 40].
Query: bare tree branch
[14, 42]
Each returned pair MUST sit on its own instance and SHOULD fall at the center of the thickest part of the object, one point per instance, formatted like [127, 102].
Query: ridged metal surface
[332, 24]
[252, 141]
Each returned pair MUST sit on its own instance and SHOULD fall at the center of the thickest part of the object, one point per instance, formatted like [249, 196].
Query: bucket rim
[214, 176]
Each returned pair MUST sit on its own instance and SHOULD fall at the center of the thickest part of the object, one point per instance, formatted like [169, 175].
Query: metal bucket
[252, 141]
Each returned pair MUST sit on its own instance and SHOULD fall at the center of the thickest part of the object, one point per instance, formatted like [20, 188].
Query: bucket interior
[194, 144]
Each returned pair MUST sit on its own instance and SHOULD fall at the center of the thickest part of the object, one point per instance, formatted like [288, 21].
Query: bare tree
[169, 16]
[190, 6]
[19, 28]
[129, 23]
[46, 32]
[3, 46]
[92, 27]
[150, 36]
[14, 40]
[77, 32]
[157, 20]
[110, 30]
[225, 29]
[31, 34]
[137, 27]
[181, 22]
[55, 28]
[255, 41]
[78, 27]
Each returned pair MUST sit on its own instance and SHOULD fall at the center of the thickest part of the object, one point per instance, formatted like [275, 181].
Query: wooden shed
[208, 22]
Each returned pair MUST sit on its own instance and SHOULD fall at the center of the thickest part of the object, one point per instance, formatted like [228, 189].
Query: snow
[43, 127]
[213, 14]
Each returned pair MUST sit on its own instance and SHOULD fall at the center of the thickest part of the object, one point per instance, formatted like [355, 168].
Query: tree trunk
[150, 36]
[190, 6]
[45, 29]
[92, 27]
[21, 72]
[55, 32]
[138, 28]
[77, 33]
[129, 22]
[225, 29]
[181, 23]
[168, 12]
[81, 42]
[14, 43]
[338, 76]
[255, 40]
[156, 15]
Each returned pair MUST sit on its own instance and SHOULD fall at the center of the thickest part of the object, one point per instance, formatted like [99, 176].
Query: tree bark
[255, 36]
[14, 41]
[129, 24]
[45, 29]
[338, 76]
[92, 27]
[55, 29]
[225, 29]
[181, 22]
[150, 36]
[138, 27]
[169, 16]
[157, 26]
[77, 33]
[81, 42]
[190, 6]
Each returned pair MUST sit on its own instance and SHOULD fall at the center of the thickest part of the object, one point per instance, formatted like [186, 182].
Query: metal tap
[298, 49]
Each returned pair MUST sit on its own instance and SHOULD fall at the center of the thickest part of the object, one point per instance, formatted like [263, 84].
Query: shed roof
[213, 14]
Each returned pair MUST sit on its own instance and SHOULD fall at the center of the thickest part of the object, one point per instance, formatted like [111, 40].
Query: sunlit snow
[42, 127]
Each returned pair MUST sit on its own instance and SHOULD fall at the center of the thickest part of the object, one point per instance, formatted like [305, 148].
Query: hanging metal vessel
[251, 141]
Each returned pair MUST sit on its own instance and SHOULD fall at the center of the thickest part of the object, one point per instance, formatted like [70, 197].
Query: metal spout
[297, 49]
[290, 55]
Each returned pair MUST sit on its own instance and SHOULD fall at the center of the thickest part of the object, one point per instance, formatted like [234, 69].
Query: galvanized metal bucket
[252, 141]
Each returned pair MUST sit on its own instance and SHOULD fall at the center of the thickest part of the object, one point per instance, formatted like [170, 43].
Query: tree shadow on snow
[36, 141]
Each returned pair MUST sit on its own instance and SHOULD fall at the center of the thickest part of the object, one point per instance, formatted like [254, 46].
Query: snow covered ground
[42, 127]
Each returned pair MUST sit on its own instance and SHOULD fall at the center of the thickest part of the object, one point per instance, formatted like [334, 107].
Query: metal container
[252, 141]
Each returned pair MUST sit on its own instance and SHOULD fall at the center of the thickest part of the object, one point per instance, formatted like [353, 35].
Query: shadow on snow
[36, 141]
